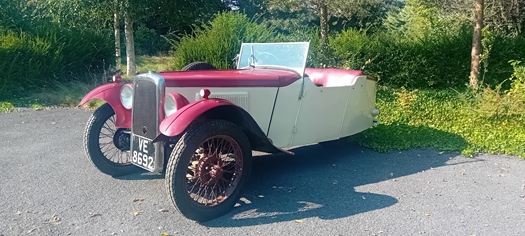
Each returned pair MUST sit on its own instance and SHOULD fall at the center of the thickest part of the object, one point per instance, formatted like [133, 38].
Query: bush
[219, 42]
[446, 120]
[49, 54]
[148, 42]
[397, 62]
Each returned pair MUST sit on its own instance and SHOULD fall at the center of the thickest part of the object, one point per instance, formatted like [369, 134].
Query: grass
[7, 107]
[152, 63]
[446, 120]
[59, 95]
[69, 94]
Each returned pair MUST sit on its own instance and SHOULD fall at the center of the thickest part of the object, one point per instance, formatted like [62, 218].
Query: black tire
[191, 173]
[100, 147]
[198, 65]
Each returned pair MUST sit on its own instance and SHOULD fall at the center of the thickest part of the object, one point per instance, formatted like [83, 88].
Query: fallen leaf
[93, 214]
[54, 219]
[138, 200]
[136, 213]
[299, 221]
[163, 210]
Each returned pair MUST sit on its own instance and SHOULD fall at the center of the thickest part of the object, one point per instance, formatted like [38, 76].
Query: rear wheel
[198, 65]
[106, 146]
[208, 169]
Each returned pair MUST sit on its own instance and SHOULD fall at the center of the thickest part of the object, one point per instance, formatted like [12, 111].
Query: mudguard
[111, 94]
[215, 108]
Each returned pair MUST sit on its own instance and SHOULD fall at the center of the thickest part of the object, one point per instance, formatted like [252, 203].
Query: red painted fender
[111, 94]
[176, 123]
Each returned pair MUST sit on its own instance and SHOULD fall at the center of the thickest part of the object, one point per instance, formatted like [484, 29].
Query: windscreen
[273, 55]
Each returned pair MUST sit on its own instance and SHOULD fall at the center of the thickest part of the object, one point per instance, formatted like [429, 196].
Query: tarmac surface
[48, 187]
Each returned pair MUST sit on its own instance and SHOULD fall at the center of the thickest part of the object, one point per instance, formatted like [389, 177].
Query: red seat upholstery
[329, 77]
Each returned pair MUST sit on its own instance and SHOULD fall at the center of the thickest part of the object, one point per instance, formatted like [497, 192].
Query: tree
[476, 43]
[131, 68]
[504, 16]
[116, 32]
[324, 10]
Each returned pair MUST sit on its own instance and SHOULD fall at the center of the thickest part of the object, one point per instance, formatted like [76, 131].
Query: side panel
[321, 114]
[361, 102]
[111, 94]
[258, 102]
[285, 114]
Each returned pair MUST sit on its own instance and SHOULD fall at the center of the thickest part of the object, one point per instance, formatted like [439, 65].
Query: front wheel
[106, 146]
[208, 169]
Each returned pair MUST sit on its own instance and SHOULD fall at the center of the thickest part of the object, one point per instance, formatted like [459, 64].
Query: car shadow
[320, 182]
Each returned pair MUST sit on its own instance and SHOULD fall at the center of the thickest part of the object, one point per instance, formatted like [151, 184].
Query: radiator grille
[145, 108]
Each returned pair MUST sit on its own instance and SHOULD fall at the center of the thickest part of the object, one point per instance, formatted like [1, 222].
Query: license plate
[143, 153]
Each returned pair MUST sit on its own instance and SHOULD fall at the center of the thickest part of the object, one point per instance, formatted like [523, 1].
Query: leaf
[54, 219]
[93, 214]
[136, 213]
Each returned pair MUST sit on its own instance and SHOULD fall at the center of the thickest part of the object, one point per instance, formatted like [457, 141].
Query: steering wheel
[264, 57]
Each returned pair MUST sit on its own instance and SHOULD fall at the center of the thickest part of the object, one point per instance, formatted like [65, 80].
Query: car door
[320, 114]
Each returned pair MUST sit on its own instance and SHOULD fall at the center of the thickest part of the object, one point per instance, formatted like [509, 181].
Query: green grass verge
[7, 107]
[60, 95]
[446, 120]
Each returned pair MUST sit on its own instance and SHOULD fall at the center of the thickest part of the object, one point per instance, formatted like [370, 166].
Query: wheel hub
[121, 139]
[210, 170]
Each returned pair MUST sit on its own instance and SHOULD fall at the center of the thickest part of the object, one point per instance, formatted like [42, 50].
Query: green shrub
[446, 120]
[219, 42]
[148, 42]
[398, 62]
[49, 54]
[6, 107]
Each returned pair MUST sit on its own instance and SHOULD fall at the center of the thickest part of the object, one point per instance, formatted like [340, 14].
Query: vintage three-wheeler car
[200, 125]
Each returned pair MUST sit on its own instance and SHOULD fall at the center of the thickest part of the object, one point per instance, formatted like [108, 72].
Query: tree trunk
[130, 45]
[323, 27]
[116, 28]
[476, 44]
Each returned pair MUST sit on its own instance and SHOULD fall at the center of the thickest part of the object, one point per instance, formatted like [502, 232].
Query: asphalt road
[48, 187]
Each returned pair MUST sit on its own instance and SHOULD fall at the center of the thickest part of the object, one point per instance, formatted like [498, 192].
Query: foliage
[6, 107]
[418, 22]
[435, 62]
[344, 13]
[149, 42]
[446, 120]
[218, 42]
[502, 16]
[35, 59]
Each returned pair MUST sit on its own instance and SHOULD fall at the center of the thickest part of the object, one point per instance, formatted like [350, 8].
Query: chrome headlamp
[173, 102]
[126, 96]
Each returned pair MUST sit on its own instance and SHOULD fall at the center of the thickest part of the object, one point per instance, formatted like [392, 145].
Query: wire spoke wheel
[208, 169]
[107, 146]
[110, 142]
[214, 170]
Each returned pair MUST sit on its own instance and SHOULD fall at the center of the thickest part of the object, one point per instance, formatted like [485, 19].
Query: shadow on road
[320, 182]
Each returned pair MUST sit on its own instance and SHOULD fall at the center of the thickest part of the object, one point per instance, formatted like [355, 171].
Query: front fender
[176, 123]
[111, 94]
